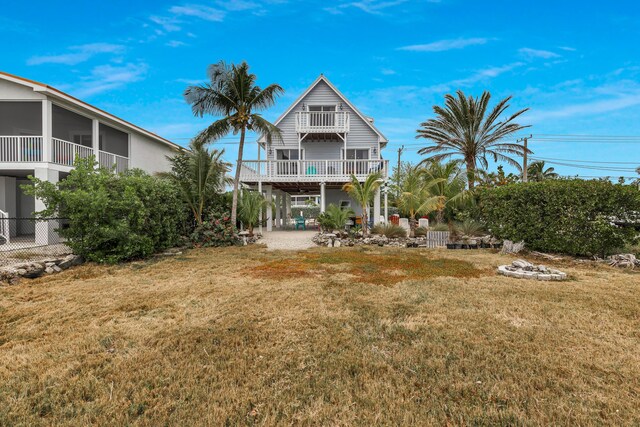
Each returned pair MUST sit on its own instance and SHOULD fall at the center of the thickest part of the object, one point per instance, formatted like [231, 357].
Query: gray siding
[360, 136]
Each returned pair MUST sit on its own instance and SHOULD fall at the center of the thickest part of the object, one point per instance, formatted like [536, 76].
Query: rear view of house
[326, 139]
[43, 130]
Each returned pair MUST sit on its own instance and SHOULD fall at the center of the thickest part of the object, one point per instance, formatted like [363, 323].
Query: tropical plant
[496, 179]
[463, 128]
[199, 174]
[251, 205]
[415, 197]
[440, 227]
[233, 94]
[216, 230]
[448, 185]
[420, 231]
[363, 193]
[334, 218]
[470, 228]
[392, 231]
[537, 172]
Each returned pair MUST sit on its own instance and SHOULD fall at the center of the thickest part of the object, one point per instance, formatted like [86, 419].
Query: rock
[21, 271]
[49, 264]
[49, 270]
[34, 270]
[520, 263]
[337, 244]
[56, 269]
[70, 261]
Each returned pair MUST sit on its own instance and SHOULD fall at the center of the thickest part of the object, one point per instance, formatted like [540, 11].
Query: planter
[451, 246]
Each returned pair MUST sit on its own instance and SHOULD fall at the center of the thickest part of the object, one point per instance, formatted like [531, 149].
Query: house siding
[360, 135]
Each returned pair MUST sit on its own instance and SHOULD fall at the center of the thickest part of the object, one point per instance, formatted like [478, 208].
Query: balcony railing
[18, 149]
[322, 121]
[310, 170]
[24, 149]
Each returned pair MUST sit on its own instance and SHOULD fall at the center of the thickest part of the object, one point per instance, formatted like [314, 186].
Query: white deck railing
[322, 121]
[113, 161]
[20, 149]
[310, 170]
[65, 152]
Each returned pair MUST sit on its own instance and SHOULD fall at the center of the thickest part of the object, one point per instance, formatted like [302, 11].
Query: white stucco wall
[149, 155]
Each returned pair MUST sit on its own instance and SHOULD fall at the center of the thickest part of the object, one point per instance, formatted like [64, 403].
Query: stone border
[32, 270]
[552, 274]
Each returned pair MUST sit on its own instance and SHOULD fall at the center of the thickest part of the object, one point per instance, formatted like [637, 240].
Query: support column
[260, 191]
[269, 197]
[386, 205]
[95, 140]
[47, 130]
[323, 198]
[376, 207]
[287, 208]
[278, 209]
[45, 230]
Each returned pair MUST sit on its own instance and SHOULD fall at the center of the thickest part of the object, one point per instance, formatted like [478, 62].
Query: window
[357, 154]
[289, 161]
[357, 166]
[345, 204]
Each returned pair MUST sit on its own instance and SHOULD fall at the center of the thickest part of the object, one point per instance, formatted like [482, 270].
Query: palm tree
[199, 174]
[449, 185]
[334, 218]
[363, 193]
[463, 128]
[232, 94]
[251, 205]
[537, 172]
[415, 196]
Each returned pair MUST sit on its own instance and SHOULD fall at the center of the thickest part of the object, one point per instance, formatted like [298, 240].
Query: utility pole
[525, 140]
[400, 150]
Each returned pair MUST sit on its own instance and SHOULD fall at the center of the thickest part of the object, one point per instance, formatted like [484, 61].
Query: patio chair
[301, 223]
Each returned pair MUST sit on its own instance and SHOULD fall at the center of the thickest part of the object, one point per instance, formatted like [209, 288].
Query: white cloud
[167, 24]
[537, 53]
[372, 7]
[206, 13]
[77, 54]
[238, 5]
[388, 72]
[589, 108]
[443, 45]
[190, 81]
[175, 43]
[104, 78]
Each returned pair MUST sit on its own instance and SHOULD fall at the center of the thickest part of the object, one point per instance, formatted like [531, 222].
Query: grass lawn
[325, 337]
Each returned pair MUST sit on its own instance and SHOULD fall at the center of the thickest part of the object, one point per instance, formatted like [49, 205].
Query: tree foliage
[363, 193]
[334, 217]
[252, 203]
[575, 217]
[112, 217]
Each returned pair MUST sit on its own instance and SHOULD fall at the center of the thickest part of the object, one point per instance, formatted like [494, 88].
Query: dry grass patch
[201, 340]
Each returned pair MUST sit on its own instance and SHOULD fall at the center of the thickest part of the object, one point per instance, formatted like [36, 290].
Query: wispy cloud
[372, 7]
[175, 43]
[199, 11]
[238, 5]
[105, 78]
[443, 45]
[537, 53]
[388, 72]
[190, 81]
[589, 108]
[77, 54]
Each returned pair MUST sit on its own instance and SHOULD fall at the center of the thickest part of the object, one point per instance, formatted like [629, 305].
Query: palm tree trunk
[471, 173]
[236, 180]
[440, 216]
[365, 220]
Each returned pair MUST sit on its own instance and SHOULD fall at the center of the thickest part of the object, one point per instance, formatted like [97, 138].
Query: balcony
[310, 170]
[322, 121]
[30, 149]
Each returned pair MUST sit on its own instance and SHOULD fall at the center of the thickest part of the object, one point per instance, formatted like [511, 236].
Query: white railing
[322, 121]
[113, 161]
[5, 228]
[311, 170]
[65, 152]
[20, 149]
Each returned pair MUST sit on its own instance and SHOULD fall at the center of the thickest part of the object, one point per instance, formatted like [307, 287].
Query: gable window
[322, 115]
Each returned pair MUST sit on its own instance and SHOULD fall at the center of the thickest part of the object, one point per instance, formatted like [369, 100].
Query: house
[325, 140]
[43, 130]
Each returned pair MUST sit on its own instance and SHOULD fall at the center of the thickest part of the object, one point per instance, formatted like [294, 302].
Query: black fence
[30, 239]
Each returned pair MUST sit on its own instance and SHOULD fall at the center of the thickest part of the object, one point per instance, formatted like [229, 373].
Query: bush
[112, 217]
[420, 231]
[440, 227]
[216, 230]
[470, 228]
[334, 218]
[575, 217]
[309, 212]
[389, 230]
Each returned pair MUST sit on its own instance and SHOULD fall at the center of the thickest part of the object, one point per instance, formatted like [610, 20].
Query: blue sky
[575, 64]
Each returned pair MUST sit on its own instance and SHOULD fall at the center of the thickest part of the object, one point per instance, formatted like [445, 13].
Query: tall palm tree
[199, 174]
[465, 128]
[449, 185]
[251, 205]
[233, 94]
[415, 196]
[363, 193]
[537, 172]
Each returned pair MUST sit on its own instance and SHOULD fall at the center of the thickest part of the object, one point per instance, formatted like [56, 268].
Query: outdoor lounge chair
[301, 223]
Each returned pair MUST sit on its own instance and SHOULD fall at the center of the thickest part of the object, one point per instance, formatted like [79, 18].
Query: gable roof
[56, 93]
[383, 139]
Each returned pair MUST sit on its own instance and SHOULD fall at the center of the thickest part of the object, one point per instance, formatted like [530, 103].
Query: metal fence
[30, 239]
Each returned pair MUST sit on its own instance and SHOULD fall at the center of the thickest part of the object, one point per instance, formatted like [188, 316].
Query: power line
[586, 161]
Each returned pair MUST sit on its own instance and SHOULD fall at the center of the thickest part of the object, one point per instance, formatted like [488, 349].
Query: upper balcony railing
[310, 170]
[29, 149]
[322, 121]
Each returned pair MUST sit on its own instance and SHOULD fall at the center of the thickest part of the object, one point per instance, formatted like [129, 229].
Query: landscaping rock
[70, 261]
[522, 269]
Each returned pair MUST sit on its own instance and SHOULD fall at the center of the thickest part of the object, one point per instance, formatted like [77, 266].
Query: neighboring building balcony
[30, 149]
[310, 170]
[322, 121]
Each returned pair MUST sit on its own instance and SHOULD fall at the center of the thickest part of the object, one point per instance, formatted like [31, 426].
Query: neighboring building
[325, 140]
[42, 131]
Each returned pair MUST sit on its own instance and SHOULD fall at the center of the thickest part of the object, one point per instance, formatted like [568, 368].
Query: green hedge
[565, 216]
[113, 217]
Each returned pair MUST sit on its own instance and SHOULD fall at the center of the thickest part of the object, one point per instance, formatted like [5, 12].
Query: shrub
[420, 231]
[470, 228]
[440, 227]
[216, 230]
[389, 230]
[334, 218]
[308, 212]
[575, 217]
[112, 217]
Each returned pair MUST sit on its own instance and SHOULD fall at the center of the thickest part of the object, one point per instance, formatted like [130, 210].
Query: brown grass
[222, 336]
